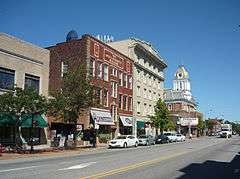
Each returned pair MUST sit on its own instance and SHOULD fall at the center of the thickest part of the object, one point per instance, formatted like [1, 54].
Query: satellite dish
[72, 35]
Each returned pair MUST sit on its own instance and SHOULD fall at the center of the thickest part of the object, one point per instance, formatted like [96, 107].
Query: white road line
[83, 165]
[14, 169]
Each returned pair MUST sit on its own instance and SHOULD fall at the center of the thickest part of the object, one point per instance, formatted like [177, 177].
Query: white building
[148, 78]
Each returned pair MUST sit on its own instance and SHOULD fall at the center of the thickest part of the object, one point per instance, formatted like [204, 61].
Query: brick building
[112, 75]
[181, 103]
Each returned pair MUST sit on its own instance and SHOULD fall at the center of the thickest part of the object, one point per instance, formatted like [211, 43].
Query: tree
[160, 118]
[19, 102]
[77, 93]
[200, 126]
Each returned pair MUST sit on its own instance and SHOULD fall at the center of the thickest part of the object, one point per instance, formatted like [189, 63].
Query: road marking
[133, 166]
[14, 169]
[83, 165]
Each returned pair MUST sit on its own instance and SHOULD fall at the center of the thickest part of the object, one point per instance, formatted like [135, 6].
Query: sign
[188, 121]
[126, 120]
[102, 117]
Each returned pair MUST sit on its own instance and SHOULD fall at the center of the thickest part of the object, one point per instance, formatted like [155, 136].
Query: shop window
[32, 82]
[6, 78]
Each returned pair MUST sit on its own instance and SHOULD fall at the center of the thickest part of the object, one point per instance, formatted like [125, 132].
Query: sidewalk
[46, 150]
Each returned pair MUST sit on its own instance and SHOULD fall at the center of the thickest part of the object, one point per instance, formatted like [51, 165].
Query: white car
[124, 141]
[180, 138]
[172, 137]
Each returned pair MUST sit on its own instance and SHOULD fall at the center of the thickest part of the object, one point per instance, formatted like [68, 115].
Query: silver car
[146, 140]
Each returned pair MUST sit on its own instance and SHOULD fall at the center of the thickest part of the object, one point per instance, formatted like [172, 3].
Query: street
[206, 157]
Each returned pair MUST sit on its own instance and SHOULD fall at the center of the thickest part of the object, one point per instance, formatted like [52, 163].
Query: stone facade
[148, 79]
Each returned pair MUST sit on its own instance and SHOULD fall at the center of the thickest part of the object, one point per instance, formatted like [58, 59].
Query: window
[145, 78]
[150, 110]
[130, 82]
[32, 82]
[99, 95]
[125, 103]
[92, 67]
[145, 109]
[105, 97]
[64, 68]
[145, 93]
[170, 107]
[105, 72]
[130, 103]
[99, 70]
[114, 71]
[114, 113]
[150, 94]
[114, 89]
[150, 80]
[138, 91]
[120, 101]
[120, 79]
[6, 78]
[138, 107]
[125, 80]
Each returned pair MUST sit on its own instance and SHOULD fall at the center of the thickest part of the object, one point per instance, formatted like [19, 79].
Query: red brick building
[112, 75]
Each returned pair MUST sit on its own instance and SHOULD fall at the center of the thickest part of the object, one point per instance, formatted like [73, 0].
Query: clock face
[180, 75]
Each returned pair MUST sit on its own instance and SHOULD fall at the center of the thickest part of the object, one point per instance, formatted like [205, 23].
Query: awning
[102, 117]
[140, 124]
[7, 119]
[126, 120]
[29, 120]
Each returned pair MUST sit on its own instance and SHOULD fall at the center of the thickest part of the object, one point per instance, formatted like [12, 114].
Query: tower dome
[181, 73]
[72, 35]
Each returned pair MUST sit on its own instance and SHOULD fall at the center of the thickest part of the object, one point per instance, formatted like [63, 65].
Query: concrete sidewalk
[46, 150]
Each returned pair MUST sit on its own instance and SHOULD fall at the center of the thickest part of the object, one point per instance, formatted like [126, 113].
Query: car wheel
[147, 143]
[125, 145]
[136, 144]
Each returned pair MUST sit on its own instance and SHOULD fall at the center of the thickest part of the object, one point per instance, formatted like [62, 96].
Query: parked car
[180, 138]
[161, 139]
[171, 136]
[123, 141]
[146, 140]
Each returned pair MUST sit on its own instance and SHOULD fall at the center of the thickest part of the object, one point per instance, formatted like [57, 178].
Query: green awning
[140, 124]
[37, 119]
[7, 119]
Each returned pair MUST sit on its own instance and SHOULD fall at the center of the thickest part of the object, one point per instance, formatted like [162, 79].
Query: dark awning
[37, 119]
[7, 119]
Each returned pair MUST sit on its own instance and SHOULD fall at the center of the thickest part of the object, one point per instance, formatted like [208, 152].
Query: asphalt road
[207, 157]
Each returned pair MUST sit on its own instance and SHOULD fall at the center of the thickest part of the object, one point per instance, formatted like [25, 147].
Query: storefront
[140, 128]
[125, 125]
[103, 122]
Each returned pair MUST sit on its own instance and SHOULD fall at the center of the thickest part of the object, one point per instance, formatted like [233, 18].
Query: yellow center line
[133, 166]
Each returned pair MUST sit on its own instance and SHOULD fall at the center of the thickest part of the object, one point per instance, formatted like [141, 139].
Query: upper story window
[6, 78]
[145, 93]
[125, 103]
[130, 103]
[105, 72]
[99, 95]
[64, 68]
[114, 89]
[99, 70]
[32, 82]
[114, 71]
[150, 94]
[120, 101]
[92, 67]
[138, 107]
[138, 91]
[120, 79]
[105, 97]
[125, 80]
[130, 81]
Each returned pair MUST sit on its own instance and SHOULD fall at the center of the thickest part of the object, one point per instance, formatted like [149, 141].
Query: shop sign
[188, 121]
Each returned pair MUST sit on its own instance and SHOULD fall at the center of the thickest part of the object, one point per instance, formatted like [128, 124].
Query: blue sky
[203, 35]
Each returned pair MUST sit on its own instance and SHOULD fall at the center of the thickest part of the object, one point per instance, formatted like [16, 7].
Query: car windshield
[121, 137]
[179, 135]
[143, 136]
[225, 129]
[167, 134]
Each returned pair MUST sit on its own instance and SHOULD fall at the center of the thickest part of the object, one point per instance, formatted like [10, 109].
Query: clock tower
[182, 82]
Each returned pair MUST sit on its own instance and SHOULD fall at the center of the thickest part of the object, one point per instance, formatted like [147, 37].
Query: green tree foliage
[200, 126]
[77, 93]
[18, 102]
[160, 118]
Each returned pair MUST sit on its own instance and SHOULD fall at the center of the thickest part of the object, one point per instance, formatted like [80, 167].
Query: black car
[161, 139]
